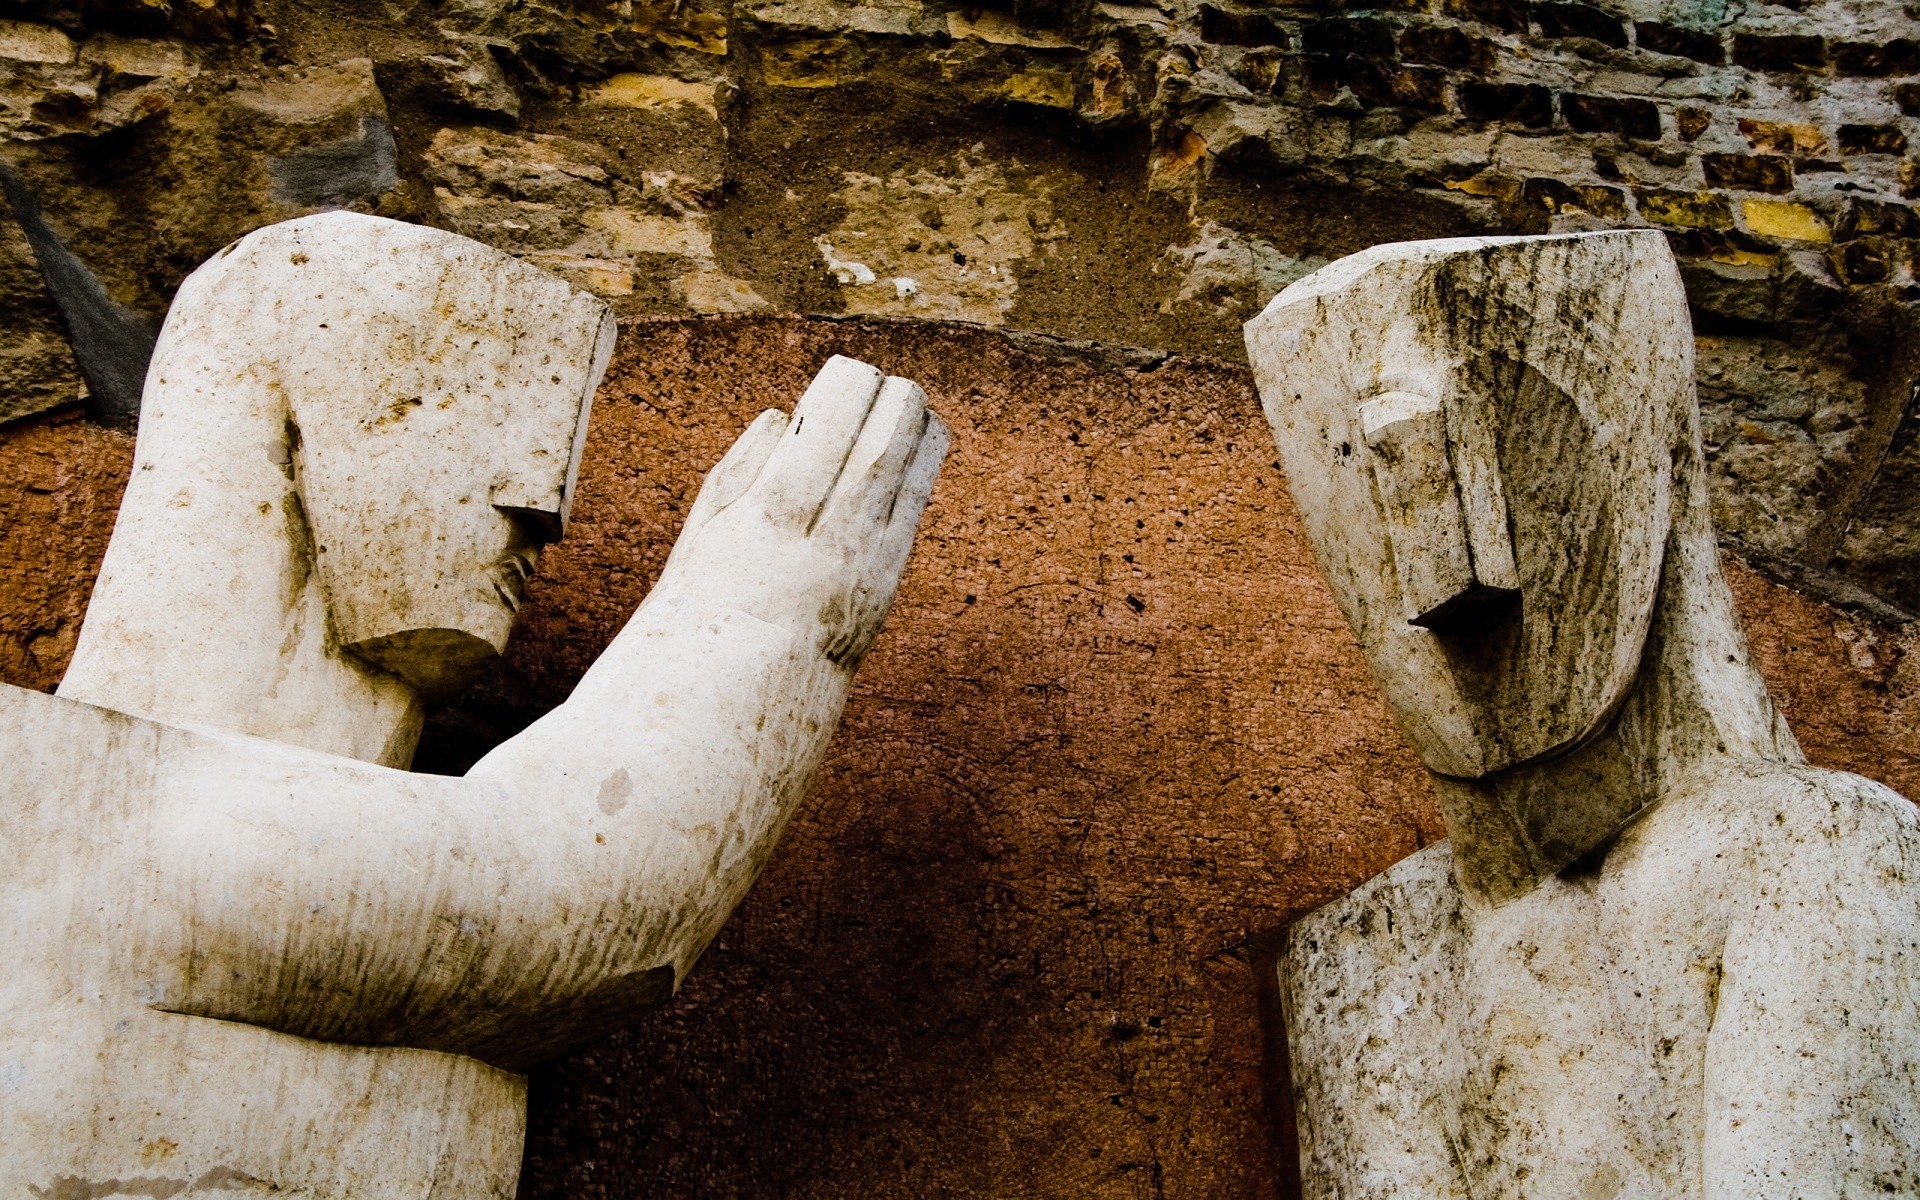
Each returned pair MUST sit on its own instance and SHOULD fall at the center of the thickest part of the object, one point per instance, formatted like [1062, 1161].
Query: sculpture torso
[1659, 957]
[1671, 1021]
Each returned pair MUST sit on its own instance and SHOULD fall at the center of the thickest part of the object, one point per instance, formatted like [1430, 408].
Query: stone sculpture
[248, 954]
[1662, 956]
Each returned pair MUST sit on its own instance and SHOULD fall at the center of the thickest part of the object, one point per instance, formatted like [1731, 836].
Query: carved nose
[1451, 547]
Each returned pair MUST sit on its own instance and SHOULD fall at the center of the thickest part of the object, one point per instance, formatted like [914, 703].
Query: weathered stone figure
[247, 954]
[1662, 956]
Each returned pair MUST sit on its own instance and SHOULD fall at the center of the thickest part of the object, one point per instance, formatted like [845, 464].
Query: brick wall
[1135, 173]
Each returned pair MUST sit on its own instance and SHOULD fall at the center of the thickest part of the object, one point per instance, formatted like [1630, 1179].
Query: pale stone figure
[1661, 956]
[247, 954]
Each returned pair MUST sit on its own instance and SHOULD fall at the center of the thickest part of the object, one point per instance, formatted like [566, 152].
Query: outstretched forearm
[580, 868]
[678, 760]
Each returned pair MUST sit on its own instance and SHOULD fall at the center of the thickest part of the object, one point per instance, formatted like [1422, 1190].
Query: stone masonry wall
[1140, 173]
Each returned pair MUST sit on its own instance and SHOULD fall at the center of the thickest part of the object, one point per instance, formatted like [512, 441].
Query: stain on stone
[615, 790]
[111, 343]
[334, 174]
[947, 242]
[74, 1187]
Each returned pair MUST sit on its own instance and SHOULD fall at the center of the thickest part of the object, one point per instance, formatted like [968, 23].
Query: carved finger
[916, 488]
[874, 469]
[738, 467]
[801, 471]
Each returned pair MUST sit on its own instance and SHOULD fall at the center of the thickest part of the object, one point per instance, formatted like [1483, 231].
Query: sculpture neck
[207, 610]
[1697, 703]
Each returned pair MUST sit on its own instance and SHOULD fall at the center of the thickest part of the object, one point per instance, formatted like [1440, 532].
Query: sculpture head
[435, 396]
[1481, 437]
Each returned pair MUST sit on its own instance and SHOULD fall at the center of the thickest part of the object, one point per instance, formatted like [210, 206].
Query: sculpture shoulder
[1390, 948]
[1798, 803]
[1762, 827]
[1368, 985]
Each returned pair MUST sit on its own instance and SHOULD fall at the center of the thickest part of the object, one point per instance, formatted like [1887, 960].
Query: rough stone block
[310, 96]
[1780, 52]
[1556, 196]
[633, 90]
[1508, 16]
[946, 245]
[1257, 70]
[1581, 21]
[28, 42]
[1525, 104]
[716, 292]
[1725, 287]
[1223, 27]
[359, 167]
[1782, 137]
[1868, 259]
[1364, 37]
[1751, 172]
[1872, 139]
[834, 16]
[1626, 116]
[51, 87]
[592, 38]
[1386, 85]
[1001, 29]
[1882, 540]
[1445, 46]
[1693, 210]
[1777, 432]
[137, 58]
[1897, 56]
[1046, 88]
[468, 77]
[1697, 44]
[1860, 217]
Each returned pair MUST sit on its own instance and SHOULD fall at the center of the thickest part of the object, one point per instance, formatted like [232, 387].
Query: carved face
[437, 394]
[1480, 437]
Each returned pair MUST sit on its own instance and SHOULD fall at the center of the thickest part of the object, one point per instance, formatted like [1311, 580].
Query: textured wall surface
[1114, 734]
[1145, 173]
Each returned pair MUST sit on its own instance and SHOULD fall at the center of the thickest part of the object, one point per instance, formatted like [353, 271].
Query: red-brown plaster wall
[1113, 734]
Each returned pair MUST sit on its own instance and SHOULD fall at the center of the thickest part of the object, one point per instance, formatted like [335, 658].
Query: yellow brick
[814, 63]
[1775, 137]
[1698, 210]
[631, 90]
[601, 276]
[1051, 88]
[1002, 29]
[1735, 257]
[1785, 220]
[1485, 184]
[631, 232]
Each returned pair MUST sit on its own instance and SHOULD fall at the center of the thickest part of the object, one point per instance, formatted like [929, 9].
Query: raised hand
[807, 520]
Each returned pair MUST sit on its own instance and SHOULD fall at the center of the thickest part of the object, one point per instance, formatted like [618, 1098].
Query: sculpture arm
[581, 867]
